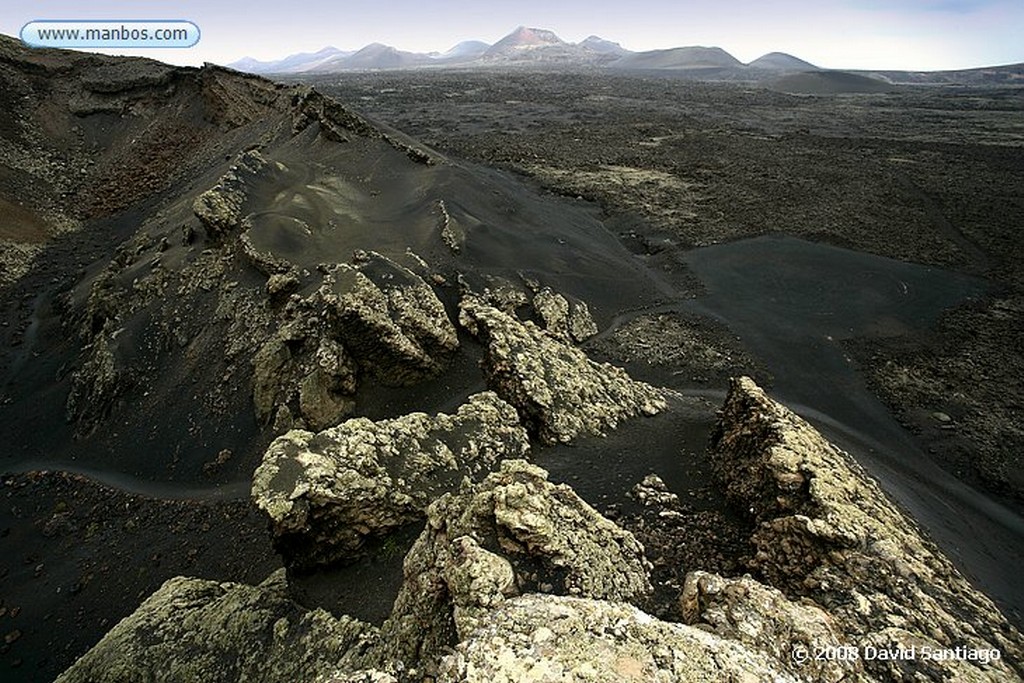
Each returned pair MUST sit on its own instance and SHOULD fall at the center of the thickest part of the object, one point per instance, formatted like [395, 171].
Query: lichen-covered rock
[390, 320]
[580, 324]
[570, 321]
[375, 318]
[560, 393]
[555, 638]
[826, 532]
[221, 208]
[94, 386]
[765, 620]
[301, 373]
[512, 533]
[195, 630]
[327, 493]
[503, 294]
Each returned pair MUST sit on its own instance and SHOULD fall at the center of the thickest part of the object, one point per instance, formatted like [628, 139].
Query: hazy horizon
[876, 34]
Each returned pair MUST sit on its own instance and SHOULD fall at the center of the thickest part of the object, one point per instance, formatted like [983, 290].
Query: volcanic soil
[899, 212]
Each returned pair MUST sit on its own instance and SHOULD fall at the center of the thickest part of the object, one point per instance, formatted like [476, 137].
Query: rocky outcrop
[565, 318]
[339, 124]
[569, 321]
[825, 532]
[765, 620]
[326, 494]
[302, 376]
[518, 579]
[513, 533]
[390, 319]
[376, 318]
[221, 208]
[560, 394]
[94, 386]
[195, 630]
[548, 638]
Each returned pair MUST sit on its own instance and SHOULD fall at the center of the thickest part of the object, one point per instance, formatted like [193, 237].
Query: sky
[869, 34]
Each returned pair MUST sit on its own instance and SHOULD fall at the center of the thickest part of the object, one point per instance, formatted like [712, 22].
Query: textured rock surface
[549, 638]
[570, 321]
[221, 208]
[559, 392]
[825, 531]
[514, 532]
[302, 376]
[765, 620]
[376, 317]
[326, 493]
[94, 386]
[194, 630]
[390, 320]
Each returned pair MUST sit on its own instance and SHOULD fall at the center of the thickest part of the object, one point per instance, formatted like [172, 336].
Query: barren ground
[927, 175]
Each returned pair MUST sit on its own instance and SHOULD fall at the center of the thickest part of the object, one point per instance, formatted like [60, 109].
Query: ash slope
[142, 366]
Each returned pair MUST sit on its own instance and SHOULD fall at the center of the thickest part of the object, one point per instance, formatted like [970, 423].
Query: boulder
[765, 620]
[515, 532]
[390, 320]
[560, 394]
[195, 630]
[302, 377]
[327, 493]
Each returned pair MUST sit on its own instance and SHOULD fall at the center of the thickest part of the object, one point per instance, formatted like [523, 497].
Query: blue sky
[870, 34]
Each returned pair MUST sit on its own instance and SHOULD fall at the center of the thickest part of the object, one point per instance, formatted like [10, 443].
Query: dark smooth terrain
[872, 214]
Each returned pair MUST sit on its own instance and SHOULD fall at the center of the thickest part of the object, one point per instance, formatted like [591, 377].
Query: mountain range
[523, 47]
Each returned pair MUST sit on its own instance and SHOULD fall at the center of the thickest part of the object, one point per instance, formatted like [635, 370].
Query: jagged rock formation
[827, 533]
[390, 319]
[503, 294]
[221, 208]
[195, 630]
[548, 638]
[570, 321]
[566, 318]
[327, 493]
[339, 124]
[764, 619]
[559, 392]
[377, 317]
[518, 579]
[513, 533]
[302, 377]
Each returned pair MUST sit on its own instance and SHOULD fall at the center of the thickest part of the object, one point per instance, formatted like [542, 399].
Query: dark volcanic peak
[380, 56]
[780, 61]
[524, 38]
[830, 83]
[693, 57]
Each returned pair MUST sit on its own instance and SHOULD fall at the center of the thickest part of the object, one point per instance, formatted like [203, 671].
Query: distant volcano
[780, 61]
[695, 57]
[523, 38]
